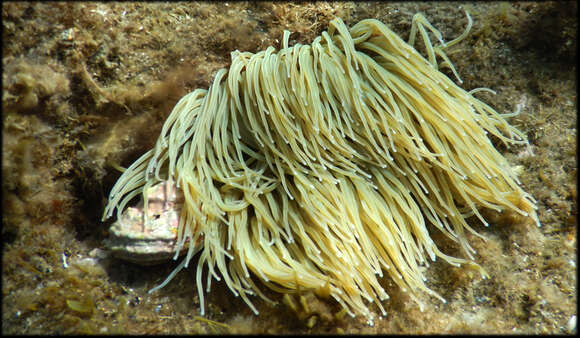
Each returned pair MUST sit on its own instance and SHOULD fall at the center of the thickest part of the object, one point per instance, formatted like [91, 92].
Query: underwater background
[86, 87]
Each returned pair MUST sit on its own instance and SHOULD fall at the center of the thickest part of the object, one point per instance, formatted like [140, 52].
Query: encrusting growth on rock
[318, 167]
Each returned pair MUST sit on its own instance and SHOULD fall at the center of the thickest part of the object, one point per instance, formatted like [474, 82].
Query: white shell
[133, 239]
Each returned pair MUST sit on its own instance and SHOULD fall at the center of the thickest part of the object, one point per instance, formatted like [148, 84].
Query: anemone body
[319, 167]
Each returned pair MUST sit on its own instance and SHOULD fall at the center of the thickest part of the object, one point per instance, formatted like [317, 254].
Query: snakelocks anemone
[325, 167]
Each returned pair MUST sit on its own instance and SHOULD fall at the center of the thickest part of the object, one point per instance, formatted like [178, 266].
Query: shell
[151, 240]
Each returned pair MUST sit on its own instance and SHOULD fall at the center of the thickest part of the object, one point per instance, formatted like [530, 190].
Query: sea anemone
[319, 167]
